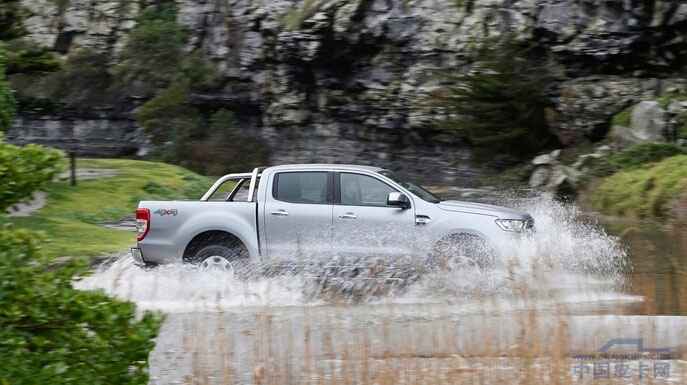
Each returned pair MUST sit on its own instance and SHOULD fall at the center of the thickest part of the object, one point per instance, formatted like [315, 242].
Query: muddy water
[658, 254]
[562, 295]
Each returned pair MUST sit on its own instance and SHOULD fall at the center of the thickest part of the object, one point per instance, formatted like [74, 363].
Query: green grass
[72, 216]
[643, 192]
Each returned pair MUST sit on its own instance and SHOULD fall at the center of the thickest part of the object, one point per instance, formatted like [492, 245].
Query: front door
[364, 225]
[298, 215]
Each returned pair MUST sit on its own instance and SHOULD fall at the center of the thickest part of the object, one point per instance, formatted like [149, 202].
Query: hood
[483, 209]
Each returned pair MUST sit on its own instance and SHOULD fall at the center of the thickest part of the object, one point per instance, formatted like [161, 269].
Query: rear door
[364, 225]
[298, 214]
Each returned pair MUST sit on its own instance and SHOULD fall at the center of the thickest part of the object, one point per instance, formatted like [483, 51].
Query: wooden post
[72, 168]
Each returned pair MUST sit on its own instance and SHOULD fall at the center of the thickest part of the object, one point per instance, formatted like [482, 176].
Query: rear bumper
[137, 256]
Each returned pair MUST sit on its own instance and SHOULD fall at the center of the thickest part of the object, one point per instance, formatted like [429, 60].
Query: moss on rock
[623, 118]
[643, 192]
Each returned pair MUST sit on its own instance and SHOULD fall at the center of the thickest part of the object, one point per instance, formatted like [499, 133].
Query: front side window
[363, 190]
[301, 187]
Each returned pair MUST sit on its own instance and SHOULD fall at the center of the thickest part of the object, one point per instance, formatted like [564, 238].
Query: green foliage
[52, 333]
[185, 136]
[24, 170]
[11, 17]
[501, 103]
[644, 191]
[636, 156]
[682, 128]
[83, 82]
[225, 148]
[169, 118]
[153, 55]
[26, 57]
[678, 95]
[294, 18]
[7, 102]
[622, 118]
[198, 72]
[155, 66]
[641, 154]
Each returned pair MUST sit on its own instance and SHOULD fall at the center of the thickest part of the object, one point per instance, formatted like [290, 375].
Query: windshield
[412, 187]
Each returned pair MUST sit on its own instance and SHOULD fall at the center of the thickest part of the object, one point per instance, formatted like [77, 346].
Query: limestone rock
[648, 123]
[540, 177]
[353, 81]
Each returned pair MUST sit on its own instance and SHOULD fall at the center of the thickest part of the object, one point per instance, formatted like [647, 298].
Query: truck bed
[173, 224]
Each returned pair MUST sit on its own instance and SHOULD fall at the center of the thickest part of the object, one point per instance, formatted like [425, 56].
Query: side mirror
[396, 199]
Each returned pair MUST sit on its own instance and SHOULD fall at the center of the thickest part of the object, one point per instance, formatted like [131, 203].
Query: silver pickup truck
[300, 212]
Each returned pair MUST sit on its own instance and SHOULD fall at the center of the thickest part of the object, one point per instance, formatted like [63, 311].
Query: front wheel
[459, 251]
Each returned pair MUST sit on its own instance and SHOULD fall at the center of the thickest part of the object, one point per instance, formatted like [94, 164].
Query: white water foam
[565, 262]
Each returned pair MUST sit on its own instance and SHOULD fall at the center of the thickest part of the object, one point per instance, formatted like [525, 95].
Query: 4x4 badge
[163, 212]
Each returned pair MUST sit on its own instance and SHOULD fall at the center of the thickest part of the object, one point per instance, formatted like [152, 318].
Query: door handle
[422, 220]
[348, 216]
[281, 213]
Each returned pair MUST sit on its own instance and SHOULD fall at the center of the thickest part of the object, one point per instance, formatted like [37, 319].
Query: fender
[220, 221]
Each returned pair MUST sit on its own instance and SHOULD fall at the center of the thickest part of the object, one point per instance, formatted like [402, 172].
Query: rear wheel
[459, 251]
[230, 256]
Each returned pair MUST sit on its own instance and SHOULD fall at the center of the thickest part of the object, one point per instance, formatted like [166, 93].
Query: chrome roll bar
[251, 191]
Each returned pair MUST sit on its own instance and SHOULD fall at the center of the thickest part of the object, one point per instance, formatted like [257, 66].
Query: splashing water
[565, 261]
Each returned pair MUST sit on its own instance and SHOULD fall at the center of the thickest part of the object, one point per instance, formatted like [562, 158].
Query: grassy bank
[72, 217]
[642, 192]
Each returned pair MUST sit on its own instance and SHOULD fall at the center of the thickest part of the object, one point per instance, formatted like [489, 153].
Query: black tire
[458, 251]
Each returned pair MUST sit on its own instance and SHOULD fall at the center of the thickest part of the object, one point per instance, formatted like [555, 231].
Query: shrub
[24, 170]
[185, 136]
[26, 57]
[645, 191]
[152, 57]
[7, 102]
[11, 16]
[52, 333]
[643, 153]
[501, 103]
[169, 118]
[83, 82]
[225, 148]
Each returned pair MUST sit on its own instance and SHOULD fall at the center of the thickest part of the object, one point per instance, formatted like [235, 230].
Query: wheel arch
[468, 232]
[209, 237]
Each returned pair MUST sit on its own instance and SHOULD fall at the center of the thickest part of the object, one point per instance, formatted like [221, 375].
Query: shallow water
[571, 288]
[658, 254]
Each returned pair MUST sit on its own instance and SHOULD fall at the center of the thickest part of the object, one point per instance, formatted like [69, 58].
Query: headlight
[513, 225]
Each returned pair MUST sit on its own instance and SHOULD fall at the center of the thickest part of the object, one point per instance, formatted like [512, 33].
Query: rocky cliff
[351, 80]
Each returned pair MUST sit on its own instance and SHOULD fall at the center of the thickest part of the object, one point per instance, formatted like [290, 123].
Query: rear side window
[301, 187]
